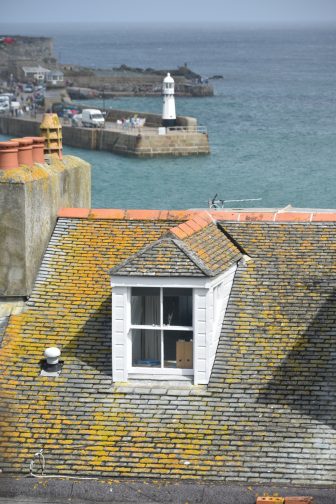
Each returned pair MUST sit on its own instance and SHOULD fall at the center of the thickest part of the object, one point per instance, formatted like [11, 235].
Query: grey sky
[226, 11]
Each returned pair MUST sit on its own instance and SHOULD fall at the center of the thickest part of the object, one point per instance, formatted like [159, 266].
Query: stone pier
[140, 142]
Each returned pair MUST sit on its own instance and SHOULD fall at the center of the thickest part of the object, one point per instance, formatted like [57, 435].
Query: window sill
[149, 386]
[161, 373]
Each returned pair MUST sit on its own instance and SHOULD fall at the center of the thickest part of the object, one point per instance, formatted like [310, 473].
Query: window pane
[146, 348]
[178, 349]
[145, 306]
[177, 307]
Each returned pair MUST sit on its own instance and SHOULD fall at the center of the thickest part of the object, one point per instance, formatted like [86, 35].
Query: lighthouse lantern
[168, 111]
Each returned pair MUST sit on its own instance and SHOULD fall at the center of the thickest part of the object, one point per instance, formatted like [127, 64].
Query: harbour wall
[179, 143]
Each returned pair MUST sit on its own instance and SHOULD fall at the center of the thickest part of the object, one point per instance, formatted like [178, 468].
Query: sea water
[271, 123]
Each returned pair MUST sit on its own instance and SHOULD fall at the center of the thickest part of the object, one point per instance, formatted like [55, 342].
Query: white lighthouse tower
[168, 112]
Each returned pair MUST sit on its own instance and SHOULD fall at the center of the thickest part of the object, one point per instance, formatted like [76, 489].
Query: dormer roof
[198, 248]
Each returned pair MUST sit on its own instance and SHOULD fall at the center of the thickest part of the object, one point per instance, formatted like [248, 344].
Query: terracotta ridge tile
[79, 213]
[134, 214]
[195, 223]
[107, 213]
[275, 216]
[195, 220]
[292, 217]
[323, 217]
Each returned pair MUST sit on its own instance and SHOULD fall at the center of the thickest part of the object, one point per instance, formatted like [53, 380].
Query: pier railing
[144, 130]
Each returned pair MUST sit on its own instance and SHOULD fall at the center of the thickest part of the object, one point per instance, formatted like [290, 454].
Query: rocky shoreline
[86, 83]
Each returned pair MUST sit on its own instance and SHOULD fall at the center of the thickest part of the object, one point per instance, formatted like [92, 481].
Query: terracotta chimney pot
[38, 149]
[9, 155]
[25, 153]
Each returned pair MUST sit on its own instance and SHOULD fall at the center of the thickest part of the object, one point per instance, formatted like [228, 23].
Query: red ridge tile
[324, 217]
[178, 232]
[163, 214]
[292, 217]
[179, 214]
[79, 213]
[196, 219]
[142, 214]
[188, 230]
[256, 216]
[224, 215]
[107, 213]
[194, 225]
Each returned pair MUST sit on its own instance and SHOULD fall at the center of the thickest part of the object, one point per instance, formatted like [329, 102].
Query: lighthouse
[168, 112]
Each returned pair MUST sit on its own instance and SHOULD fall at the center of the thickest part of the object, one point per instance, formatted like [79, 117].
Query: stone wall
[179, 144]
[19, 127]
[29, 201]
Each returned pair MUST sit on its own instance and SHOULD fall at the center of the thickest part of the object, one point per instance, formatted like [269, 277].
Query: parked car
[64, 110]
[4, 103]
[93, 118]
[27, 88]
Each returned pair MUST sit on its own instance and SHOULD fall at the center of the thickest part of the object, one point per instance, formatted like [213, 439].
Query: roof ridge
[286, 214]
[195, 224]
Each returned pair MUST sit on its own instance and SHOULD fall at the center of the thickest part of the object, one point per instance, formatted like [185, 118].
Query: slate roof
[269, 411]
[166, 257]
[196, 248]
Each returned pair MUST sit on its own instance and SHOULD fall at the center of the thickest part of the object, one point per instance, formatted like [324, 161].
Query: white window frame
[161, 327]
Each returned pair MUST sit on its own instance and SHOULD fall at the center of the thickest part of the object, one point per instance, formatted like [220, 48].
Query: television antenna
[220, 203]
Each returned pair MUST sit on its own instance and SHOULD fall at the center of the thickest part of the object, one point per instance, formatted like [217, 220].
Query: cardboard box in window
[184, 354]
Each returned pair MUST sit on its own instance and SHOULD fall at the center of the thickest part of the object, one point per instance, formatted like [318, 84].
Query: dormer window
[169, 301]
[161, 328]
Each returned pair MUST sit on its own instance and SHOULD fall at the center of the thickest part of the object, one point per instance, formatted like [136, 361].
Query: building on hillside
[35, 73]
[55, 78]
[211, 357]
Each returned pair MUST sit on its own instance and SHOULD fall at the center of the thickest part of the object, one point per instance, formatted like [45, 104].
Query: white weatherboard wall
[218, 303]
[119, 336]
[200, 336]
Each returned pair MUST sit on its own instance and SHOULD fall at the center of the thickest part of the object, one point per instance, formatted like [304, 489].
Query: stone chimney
[33, 187]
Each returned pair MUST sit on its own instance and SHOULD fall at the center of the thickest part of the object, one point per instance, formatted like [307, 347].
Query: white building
[55, 78]
[38, 73]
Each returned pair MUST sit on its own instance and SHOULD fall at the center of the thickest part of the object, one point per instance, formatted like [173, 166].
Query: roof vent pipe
[52, 354]
[52, 364]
